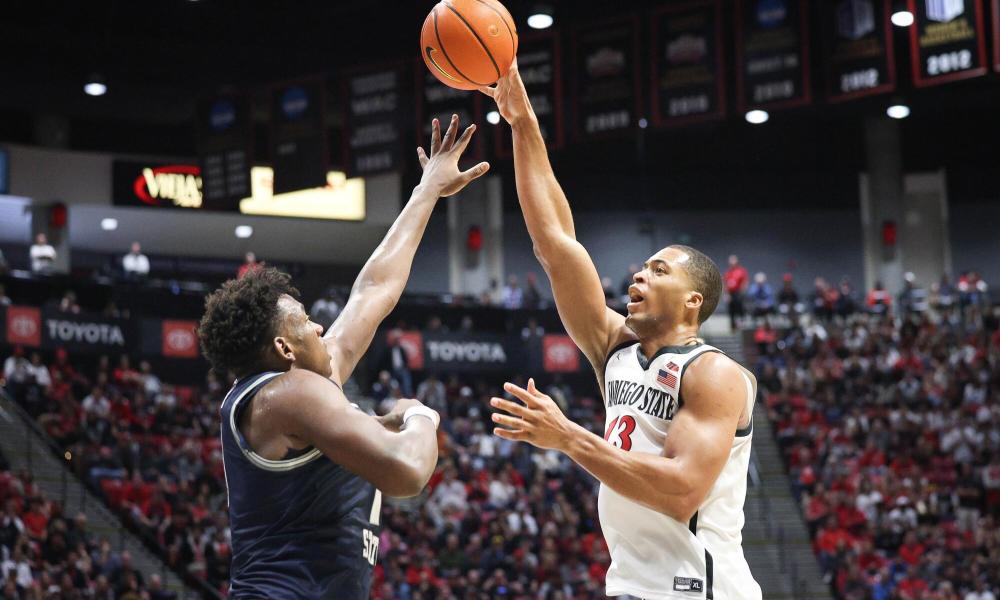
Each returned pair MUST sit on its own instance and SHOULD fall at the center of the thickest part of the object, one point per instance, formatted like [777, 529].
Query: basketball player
[673, 467]
[304, 468]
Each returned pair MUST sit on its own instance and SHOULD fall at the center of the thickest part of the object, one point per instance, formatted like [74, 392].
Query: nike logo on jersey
[652, 401]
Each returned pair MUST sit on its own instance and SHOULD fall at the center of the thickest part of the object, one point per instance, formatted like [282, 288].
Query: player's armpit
[316, 411]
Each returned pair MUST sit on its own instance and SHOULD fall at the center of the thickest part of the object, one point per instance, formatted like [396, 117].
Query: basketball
[468, 43]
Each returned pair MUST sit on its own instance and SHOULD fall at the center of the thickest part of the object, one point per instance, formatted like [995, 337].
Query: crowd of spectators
[151, 449]
[45, 553]
[891, 431]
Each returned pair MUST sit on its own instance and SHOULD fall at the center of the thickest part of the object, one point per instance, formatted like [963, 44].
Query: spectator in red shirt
[879, 300]
[250, 264]
[912, 549]
[912, 586]
[35, 520]
[736, 280]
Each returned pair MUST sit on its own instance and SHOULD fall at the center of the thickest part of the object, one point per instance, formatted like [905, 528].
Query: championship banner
[996, 34]
[606, 78]
[688, 63]
[84, 333]
[150, 184]
[23, 326]
[858, 45]
[436, 100]
[948, 41]
[539, 60]
[4, 171]
[298, 136]
[224, 138]
[376, 102]
[772, 54]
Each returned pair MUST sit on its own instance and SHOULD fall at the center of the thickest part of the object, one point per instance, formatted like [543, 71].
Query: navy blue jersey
[303, 527]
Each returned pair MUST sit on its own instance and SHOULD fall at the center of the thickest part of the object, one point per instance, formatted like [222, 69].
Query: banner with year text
[688, 68]
[948, 41]
[605, 78]
[858, 49]
[772, 54]
[539, 60]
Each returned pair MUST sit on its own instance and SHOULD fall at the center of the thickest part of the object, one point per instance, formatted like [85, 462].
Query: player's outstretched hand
[441, 167]
[510, 95]
[538, 421]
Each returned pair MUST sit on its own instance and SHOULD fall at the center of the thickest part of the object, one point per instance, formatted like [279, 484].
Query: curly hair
[241, 318]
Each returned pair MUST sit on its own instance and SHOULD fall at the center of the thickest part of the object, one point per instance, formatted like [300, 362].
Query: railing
[35, 435]
[787, 565]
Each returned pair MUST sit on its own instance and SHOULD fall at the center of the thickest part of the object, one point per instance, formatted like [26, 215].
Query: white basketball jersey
[654, 556]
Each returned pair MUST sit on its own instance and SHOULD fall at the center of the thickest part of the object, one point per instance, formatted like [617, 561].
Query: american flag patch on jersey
[667, 379]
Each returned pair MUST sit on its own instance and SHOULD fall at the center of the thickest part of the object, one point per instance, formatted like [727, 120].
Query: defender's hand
[441, 168]
[538, 421]
[510, 95]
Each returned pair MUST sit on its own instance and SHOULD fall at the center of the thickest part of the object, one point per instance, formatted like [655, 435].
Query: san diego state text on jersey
[650, 400]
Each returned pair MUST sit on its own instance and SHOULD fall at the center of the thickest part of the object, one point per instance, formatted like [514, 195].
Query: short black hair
[241, 318]
[707, 280]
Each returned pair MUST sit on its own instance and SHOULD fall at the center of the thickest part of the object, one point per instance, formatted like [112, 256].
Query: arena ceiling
[159, 56]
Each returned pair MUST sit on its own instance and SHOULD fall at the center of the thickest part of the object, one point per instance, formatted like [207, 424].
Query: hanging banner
[948, 41]
[772, 54]
[539, 60]
[4, 171]
[435, 100]
[225, 135]
[376, 105]
[298, 135]
[858, 48]
[996, 34]
[606, 78]
[687, 63]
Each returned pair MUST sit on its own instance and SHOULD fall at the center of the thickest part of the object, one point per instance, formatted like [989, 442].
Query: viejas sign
[161, 185]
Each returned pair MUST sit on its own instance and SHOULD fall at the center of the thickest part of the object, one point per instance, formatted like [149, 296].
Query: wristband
[422, 411]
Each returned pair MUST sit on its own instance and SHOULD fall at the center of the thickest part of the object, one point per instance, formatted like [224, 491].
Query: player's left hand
[441, 167]
[538, 421]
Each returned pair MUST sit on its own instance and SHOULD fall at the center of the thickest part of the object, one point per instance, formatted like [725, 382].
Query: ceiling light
[757, 117]
[898, 111]
[541, 17]
[95, 88]
[109, 224]
[643, 123]
[244, 231]
[493, 117]
[902, 18]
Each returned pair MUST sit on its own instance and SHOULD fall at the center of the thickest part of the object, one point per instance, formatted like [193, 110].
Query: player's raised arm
[383, 278]
[397, 460]
[576, 285]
